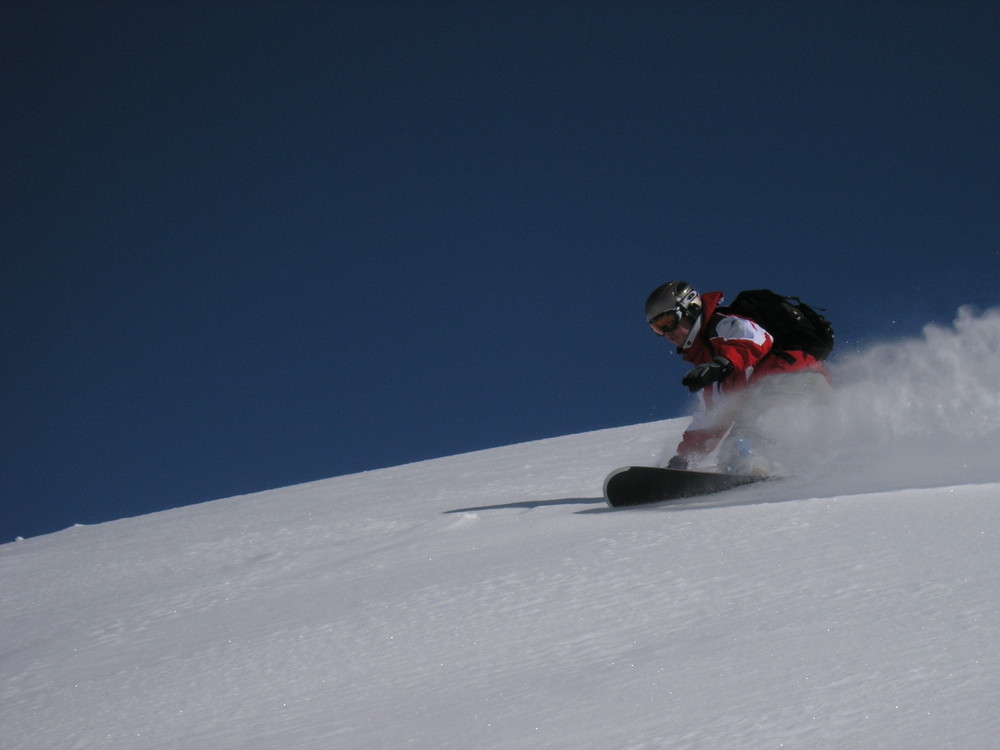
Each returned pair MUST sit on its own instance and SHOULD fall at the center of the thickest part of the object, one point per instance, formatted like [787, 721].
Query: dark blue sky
[250, 244]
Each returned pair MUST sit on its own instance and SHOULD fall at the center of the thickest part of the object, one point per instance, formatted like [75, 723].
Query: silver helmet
[677, 297]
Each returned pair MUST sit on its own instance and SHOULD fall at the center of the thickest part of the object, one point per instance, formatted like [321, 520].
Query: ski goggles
[666, 322]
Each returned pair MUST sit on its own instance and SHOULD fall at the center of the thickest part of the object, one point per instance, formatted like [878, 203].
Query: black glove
[711, 372]
[678, 462]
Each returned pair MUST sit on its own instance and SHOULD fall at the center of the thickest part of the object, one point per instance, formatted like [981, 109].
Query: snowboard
[638, 485]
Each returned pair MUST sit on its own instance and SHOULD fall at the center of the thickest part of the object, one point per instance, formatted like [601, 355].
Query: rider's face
[679, 335]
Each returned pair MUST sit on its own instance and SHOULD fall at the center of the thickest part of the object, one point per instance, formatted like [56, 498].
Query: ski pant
[773, 415]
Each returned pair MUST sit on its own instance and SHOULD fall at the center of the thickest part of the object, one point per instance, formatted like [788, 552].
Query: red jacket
[751, 350]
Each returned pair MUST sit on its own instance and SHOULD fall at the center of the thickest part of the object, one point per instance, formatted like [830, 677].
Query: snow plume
[921, 411]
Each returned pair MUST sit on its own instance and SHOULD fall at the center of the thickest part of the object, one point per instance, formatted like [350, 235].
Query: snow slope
[491, 600]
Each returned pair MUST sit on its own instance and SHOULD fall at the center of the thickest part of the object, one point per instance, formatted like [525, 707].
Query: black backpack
[795, 326]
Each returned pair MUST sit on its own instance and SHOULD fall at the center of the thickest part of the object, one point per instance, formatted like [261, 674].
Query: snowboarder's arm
[742, 342]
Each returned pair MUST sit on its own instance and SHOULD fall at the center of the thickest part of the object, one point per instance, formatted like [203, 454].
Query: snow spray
[915, 411]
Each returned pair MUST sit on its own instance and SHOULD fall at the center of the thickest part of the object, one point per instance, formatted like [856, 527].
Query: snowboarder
[739, 375]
